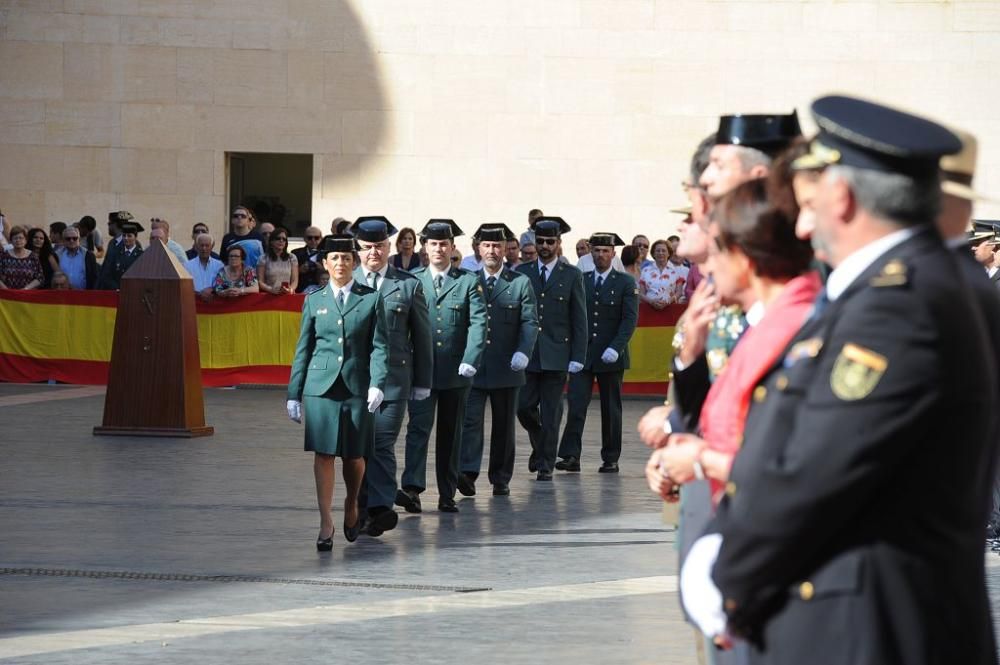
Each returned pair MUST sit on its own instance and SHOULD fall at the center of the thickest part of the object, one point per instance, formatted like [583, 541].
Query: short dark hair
[766, 234]
[87, 222]
[238, 248]
[673, 238]
[630, 255]
[57, 227]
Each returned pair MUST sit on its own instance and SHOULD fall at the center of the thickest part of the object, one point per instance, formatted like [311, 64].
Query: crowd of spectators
[255, 258]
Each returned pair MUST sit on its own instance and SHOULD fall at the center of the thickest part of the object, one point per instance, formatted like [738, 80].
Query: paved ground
[577, 569]
[118, 550]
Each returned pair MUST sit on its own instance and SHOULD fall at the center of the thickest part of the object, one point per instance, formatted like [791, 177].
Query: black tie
[600, 282]
[490, 282]
[438, 282]
[373, 280]
[340, 299]
[542, 273]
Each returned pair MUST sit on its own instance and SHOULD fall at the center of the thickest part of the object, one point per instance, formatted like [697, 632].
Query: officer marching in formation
[340, 356]
[561, 345]
[512, 327]
[410, 366]
[851, 526]
[612, 315]
[458, 332]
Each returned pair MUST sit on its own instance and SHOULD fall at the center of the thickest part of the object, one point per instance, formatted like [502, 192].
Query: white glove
[375, 397]
[418, 394]
[702, 599]
[294, 408]
[574, 367]
[609, 355]
[468, 371]
[518, 361]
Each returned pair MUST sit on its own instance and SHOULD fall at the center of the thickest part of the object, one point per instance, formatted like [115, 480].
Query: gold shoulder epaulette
[893, 274]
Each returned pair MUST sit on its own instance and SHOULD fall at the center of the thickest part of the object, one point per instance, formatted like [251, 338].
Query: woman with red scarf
[754, 246]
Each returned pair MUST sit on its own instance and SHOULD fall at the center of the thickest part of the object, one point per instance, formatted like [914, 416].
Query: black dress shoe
[324, 544]
[446, 505]
[465, 485]
[501, 489]
[532, 463]
[544, 475]
[608, 467]
[569, 464]
[379, 523]
[408, 500]
[351, 532]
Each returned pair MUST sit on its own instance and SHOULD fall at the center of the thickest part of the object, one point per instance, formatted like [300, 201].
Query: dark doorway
[277, 187]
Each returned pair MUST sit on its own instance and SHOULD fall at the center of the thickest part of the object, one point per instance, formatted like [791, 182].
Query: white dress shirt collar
[603, 275]
[345, 289]
[855, 264]
[549, 267]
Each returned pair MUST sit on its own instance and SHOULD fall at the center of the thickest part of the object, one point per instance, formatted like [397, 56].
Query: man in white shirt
[204, 267]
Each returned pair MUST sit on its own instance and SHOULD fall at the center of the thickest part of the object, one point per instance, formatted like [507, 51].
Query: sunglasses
[547, 241]
[239, 215]
[273, 238]
[313, 237]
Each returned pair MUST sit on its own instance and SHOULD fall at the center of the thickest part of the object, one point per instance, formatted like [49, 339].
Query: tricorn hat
[341, 242]
[373, 228]
[495, 232]
[768, 133]
[550, 227]
[440, 229]
[603, 239]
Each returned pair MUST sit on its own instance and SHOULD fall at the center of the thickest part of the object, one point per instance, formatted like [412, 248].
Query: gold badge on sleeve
[856, 372]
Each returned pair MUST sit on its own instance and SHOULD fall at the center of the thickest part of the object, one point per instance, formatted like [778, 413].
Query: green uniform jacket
[458, 325]
[334, 343]
[411, 359]
[612, 316]
[512, 325]
[562, 317]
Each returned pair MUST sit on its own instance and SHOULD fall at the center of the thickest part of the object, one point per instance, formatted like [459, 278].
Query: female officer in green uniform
[339, 358]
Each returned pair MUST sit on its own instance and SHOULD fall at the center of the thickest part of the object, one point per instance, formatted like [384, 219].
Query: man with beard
[410, 363]
[458, 334]
[512, 327]
[561, 346]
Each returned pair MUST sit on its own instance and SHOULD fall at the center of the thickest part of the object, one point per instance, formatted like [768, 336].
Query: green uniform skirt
[338, 423]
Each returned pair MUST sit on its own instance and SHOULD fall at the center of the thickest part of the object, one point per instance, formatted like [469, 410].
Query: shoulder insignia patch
[636, 292]
[893, 274]
[856, 372]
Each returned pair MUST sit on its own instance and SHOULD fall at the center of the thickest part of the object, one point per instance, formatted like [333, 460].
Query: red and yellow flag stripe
[67, 336]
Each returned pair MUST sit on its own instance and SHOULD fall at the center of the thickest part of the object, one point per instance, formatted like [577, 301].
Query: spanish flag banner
[66, 336]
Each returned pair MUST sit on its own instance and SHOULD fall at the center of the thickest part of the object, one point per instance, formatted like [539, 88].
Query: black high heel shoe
[351, 532]
[324, 544]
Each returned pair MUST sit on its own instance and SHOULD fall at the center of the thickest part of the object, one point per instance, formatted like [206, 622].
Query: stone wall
[472, 109]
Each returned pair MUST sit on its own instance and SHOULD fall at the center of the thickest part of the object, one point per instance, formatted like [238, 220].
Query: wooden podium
[154, 383]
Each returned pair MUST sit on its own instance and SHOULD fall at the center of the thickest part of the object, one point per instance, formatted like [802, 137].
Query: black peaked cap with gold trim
[865, 135]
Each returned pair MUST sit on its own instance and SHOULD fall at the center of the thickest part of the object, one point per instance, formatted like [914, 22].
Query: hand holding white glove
[574, 367]
[466, 370]
[609, 355]
[294, 408]
[375, 397]
[418, 394]
[518, 361]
